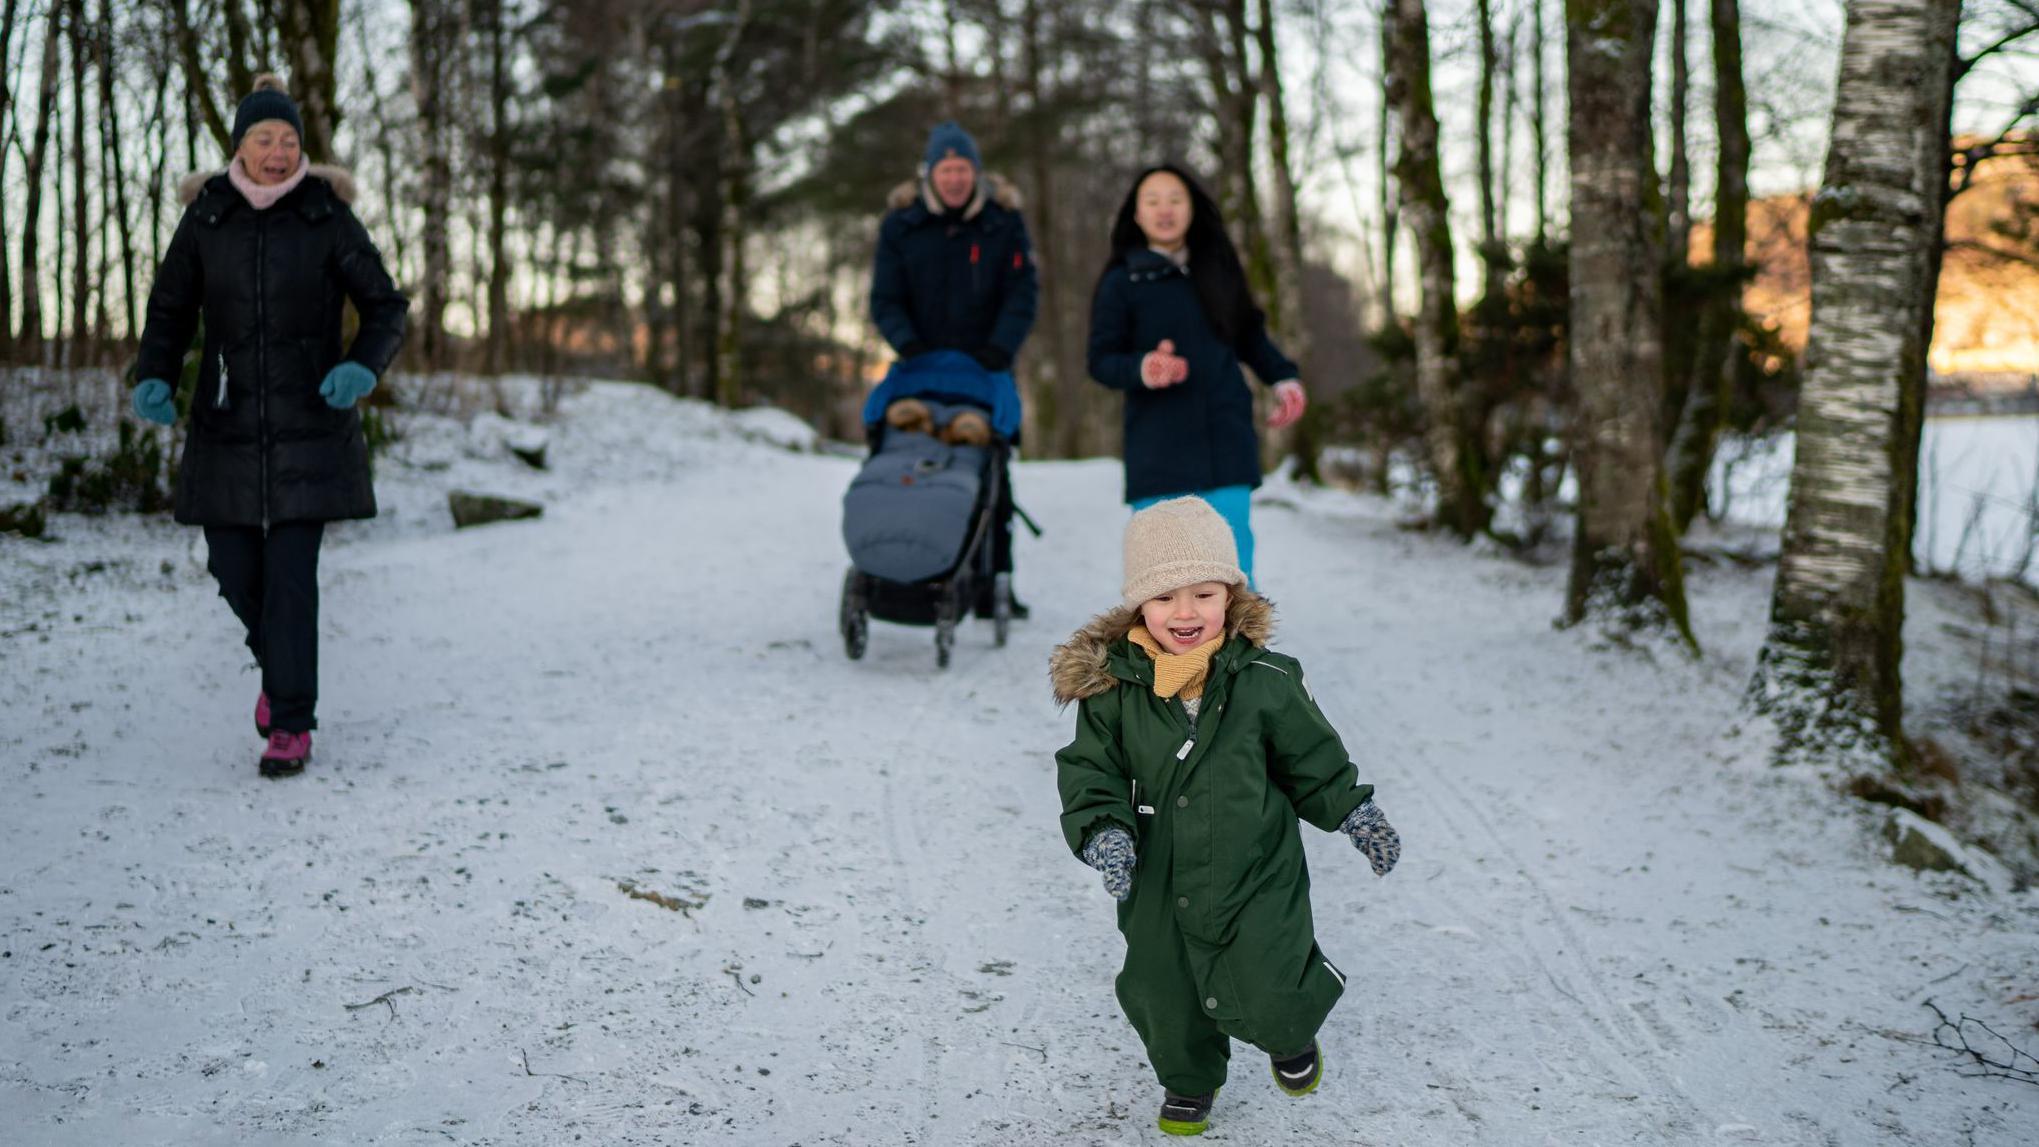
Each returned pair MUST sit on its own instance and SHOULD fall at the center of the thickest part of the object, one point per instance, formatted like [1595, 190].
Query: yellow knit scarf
[1177, 674]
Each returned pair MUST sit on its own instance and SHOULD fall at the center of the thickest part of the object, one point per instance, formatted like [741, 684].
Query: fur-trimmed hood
[336, 177]
[1081, 666]
[991, 188]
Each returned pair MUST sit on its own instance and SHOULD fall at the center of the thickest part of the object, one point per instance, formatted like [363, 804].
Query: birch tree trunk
[1829, 671]
[1712, 379]
[1625, 570]
[30, 344]
[1453, 446]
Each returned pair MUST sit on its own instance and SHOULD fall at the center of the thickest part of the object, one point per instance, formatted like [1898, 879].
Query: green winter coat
[1219, 937]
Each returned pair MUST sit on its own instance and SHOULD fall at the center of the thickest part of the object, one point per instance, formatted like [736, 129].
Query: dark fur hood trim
[1081, 666]
[339, 178]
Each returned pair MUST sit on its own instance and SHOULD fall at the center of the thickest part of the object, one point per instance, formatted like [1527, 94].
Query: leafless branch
[546, 1074]
[387, 999]
[2012, 1062]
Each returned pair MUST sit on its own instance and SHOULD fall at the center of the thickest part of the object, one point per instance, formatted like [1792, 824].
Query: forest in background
[1510, 243]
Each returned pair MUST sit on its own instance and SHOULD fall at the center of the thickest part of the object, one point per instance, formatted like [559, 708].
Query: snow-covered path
[606, 842]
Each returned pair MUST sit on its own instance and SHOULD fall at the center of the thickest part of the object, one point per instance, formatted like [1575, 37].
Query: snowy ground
[606, 842]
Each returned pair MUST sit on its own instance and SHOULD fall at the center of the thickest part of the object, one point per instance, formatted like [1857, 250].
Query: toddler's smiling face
[1185, 618]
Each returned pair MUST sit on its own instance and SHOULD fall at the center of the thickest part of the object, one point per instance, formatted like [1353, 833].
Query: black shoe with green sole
[1298, 1074]
[1186, 1114]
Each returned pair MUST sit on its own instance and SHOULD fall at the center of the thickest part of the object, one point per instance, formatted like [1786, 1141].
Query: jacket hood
[990, 189]
[338, 178]
[1081, 666]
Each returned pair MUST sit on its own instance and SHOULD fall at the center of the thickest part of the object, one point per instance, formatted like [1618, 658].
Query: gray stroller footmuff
[908, 515]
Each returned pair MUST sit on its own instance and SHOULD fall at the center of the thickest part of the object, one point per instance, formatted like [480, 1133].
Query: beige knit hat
[1176, 543]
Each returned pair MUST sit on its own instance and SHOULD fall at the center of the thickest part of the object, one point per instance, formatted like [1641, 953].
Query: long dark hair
[1214, 267]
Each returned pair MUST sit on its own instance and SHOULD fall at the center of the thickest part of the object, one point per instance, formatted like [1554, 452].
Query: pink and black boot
[262, 714]
[286, 754]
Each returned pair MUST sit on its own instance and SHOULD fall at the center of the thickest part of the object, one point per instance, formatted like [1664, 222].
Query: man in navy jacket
[955, 271]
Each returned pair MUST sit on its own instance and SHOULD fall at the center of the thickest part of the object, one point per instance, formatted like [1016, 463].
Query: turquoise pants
[1235, 505]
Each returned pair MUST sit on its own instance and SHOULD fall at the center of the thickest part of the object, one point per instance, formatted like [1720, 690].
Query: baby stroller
[918, 518]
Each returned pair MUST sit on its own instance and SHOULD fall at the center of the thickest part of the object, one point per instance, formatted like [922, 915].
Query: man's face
[955, 180]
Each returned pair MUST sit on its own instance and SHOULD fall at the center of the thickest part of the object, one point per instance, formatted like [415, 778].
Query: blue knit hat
[268, 101]
[949, 139]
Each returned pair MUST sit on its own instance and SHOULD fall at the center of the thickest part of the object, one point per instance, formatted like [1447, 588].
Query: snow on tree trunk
[1455, 455]
[1829, 671]
[1625, 561]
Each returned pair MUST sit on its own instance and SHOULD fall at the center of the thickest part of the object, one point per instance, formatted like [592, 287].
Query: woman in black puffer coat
[267, 255]
[1171, 323]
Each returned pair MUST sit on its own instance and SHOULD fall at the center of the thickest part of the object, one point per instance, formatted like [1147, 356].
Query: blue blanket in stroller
[949, 376]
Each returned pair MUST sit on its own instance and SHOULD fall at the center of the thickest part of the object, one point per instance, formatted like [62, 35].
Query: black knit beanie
[268, 101]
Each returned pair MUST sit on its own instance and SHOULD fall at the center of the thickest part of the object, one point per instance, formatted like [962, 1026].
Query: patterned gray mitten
[1110, 851]
[1373, 835]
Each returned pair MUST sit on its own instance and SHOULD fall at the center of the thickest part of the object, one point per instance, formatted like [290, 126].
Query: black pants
[271, 581]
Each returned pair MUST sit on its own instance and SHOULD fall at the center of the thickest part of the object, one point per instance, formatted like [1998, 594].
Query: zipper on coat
[220, 403]
[262, 360]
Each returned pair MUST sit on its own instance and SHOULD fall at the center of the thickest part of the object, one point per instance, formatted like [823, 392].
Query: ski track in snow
[1613, 923]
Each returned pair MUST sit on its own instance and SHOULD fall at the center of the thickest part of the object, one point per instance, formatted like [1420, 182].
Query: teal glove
[153, 401]
[346, 384]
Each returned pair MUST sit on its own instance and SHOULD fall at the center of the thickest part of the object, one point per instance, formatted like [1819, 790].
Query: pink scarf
[261, 197]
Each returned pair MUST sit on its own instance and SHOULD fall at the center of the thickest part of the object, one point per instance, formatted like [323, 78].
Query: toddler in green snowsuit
[1197, 749]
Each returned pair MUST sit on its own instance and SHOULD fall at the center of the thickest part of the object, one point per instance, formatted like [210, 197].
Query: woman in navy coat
[1170, 324]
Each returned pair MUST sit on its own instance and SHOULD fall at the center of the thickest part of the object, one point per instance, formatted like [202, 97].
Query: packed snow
[605, 841]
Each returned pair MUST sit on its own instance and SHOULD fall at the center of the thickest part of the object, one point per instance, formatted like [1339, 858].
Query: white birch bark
[1829, 672]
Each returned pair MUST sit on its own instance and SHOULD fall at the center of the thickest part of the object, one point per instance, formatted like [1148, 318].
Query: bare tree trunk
[1511, 107]
[497, 354]
[1455, 454]
[1625, 566]
[7, 103]
[1493, 255]
[1912, 414]
[1678, 182]
[431, 40]
[735, 172]
[1223, 39]
[1285, 218]
[30, 343]
[1829, 673]
[80, 342]
[311, 41]
[1713, 367]
[198, 77]
[1390, 198]
[110, 147]
[1057, 397]
[1538, 126]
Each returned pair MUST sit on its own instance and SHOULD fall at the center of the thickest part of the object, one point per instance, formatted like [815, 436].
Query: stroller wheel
[1001, 608]
[855, 619]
